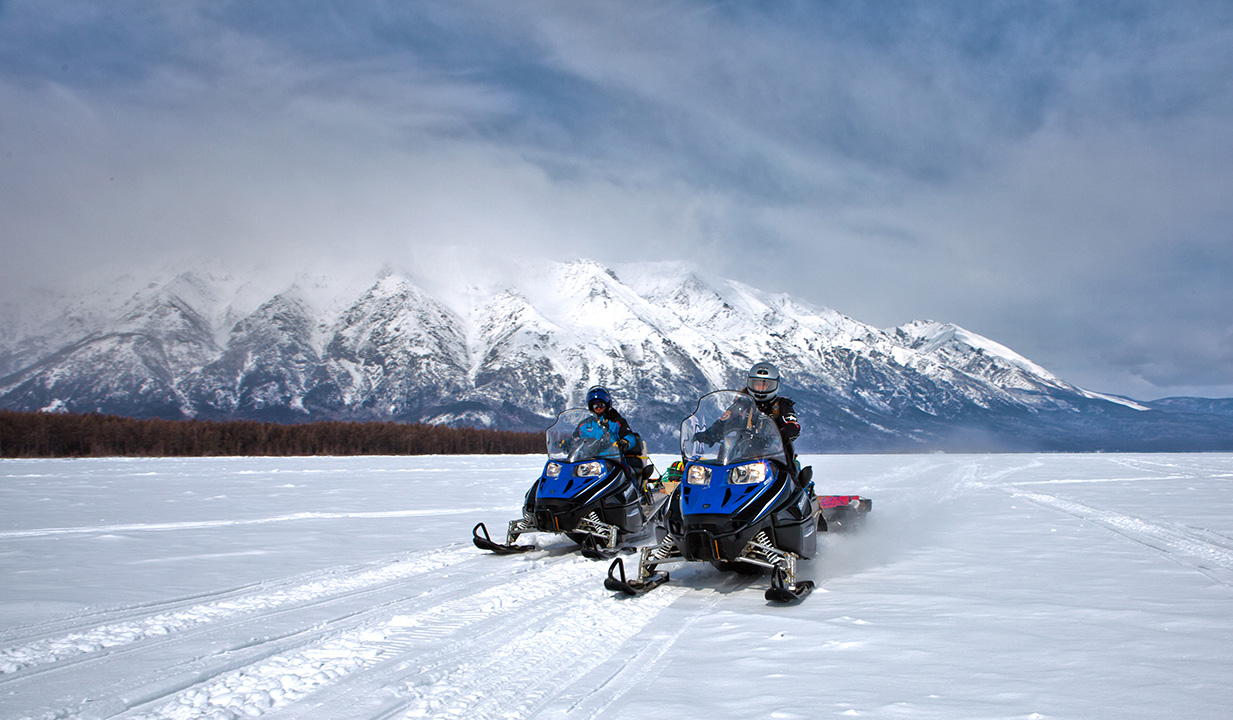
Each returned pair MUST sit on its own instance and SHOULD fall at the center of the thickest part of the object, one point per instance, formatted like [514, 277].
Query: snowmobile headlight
[591, 469]
[751, 474]
[698, 475]
[552, 470]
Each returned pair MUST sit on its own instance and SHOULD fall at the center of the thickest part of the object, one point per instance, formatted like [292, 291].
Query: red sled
[840, 513]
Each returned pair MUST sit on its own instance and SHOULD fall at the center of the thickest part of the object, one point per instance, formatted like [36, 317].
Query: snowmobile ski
[486, 542]
[783, 593]
[600, 553]
[631, 587]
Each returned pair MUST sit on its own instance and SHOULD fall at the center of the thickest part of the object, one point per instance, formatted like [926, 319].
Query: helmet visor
[762, 385]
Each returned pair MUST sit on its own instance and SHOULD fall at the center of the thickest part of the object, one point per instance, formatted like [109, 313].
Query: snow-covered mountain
[207, 344]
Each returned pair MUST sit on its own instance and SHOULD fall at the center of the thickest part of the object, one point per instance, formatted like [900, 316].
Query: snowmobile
[587, 491]
[739, 505]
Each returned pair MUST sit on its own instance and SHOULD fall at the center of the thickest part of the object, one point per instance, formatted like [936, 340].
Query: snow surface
[984, 586]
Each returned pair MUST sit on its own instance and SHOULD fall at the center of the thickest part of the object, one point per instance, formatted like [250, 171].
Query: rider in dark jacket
[763, 385]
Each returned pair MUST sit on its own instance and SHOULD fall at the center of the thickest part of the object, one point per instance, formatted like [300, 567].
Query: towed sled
[738, 506]
[843, 513]
[587, 491]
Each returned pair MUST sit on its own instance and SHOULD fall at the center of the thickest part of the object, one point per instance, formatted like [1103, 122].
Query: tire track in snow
[1208, 552]
[487, 652]
[116, 634]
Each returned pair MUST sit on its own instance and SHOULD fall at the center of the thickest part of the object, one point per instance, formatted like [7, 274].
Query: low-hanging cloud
[1047, 175]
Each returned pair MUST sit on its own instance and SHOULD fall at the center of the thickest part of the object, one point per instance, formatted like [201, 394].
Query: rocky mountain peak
[215, 345]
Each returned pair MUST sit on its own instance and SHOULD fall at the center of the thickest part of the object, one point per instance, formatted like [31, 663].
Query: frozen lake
[984, 586]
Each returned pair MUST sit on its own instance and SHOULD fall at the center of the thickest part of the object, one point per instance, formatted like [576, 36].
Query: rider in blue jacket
[599, 401]
[606, 418]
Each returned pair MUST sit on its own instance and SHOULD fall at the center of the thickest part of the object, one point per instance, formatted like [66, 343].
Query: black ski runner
[631, 587]
[781, 592]
[598, 553]
[486, 542]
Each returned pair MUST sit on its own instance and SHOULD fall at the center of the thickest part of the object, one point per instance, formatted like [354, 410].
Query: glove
[623, 444]
[700, 437]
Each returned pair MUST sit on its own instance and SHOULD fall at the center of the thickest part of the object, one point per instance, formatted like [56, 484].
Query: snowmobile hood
[720, 496]
[574, 481]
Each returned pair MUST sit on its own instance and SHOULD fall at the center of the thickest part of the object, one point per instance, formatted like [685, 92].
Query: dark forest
[32, 434]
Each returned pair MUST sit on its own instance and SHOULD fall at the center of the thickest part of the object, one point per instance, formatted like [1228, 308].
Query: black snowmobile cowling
[586, 491]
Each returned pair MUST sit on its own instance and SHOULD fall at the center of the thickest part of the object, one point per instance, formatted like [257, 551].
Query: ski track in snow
[491, 650]
[108, 635]
[590, 700]
[203, 524]
[1209, 552]
[453, 632]
[498, 652]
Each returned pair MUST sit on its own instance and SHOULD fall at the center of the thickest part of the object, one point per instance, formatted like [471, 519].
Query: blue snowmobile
[587, 491]
[739, 503]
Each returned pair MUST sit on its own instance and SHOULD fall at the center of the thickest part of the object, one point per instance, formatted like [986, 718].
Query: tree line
[35, 434]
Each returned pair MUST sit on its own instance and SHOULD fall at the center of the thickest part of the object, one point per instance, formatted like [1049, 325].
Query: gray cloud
[1053, 175]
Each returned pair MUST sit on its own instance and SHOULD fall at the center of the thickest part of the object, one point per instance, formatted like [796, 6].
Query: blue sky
[1055, 175]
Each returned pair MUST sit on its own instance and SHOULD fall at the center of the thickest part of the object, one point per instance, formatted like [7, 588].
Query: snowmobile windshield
[728, 428]
[579, 435]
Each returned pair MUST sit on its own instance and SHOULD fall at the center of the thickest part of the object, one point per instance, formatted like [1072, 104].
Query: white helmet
[763, 381]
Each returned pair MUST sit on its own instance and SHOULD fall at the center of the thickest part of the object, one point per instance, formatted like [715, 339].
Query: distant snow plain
[983, 586]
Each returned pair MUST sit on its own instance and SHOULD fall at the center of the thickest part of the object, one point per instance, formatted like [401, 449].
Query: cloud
[1046, 173]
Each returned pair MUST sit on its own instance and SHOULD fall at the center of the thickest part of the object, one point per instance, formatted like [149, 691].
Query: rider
[606, 417]
[762, 384]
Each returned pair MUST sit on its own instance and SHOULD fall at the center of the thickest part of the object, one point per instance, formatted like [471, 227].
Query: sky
[1057, 176]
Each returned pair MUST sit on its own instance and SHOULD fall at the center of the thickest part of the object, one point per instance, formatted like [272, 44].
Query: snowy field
[984, 586]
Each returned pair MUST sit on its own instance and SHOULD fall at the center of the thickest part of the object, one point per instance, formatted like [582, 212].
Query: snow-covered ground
[984, 586]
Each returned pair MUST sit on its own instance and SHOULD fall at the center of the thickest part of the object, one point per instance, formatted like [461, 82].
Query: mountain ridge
[510, 355]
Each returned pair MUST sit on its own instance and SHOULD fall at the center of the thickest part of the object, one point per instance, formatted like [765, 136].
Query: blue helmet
[598, 394]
